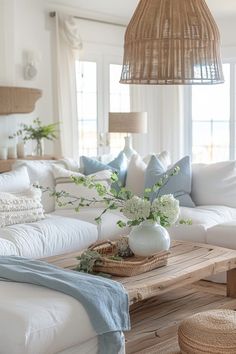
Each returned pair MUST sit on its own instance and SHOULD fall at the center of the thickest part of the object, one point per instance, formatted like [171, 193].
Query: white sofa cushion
[208, 215]
[191, 233]
[7, 248]
[214, 184]
[223, 235]
[51, 236]
[15, 181]
[108, 230]
[36, 320]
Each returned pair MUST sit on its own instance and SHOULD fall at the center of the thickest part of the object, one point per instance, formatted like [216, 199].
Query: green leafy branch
[117, 198]
[157, 187]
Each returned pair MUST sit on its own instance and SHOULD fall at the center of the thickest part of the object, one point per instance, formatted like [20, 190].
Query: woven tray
[130, 266]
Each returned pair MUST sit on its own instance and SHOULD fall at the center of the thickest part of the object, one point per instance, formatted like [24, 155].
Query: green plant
[89, 259]
[164, 209]
[37, 131]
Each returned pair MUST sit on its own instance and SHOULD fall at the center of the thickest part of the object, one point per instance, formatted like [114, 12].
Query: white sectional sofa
[64, 230]
[45, 321]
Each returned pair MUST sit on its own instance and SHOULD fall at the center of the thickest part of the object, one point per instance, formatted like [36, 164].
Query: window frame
[188, 117]
[107, 55]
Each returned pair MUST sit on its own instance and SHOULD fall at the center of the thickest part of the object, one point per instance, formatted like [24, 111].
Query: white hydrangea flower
[136, 208]
[167, 206]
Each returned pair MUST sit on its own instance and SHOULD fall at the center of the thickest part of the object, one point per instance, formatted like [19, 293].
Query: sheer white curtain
[68, 45]
[165, 119]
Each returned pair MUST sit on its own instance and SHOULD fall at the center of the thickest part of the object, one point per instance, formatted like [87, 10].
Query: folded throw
[105, 301]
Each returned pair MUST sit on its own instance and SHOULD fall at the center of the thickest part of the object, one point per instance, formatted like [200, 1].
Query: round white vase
[148, 238]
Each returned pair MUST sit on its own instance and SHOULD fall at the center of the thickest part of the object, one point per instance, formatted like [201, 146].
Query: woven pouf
[209, 332]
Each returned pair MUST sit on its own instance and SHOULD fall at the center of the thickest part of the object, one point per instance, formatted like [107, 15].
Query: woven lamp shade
[128, 122]
[172, 42]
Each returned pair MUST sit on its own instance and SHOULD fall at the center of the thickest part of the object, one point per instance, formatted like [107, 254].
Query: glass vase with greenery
[38, 133]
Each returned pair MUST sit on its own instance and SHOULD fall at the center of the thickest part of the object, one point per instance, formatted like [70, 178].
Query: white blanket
[51, 236]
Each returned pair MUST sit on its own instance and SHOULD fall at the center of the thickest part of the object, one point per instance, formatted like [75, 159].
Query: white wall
[23, 28]
[25, 25]
[227, 29]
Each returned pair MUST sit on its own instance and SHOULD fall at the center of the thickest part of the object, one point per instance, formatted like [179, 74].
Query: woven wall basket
[172, 42]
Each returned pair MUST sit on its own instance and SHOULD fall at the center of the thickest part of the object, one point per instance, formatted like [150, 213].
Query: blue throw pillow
[119, 164]
[179, 185]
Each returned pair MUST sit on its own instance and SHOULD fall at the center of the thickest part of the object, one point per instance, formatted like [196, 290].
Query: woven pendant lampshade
[172, 42]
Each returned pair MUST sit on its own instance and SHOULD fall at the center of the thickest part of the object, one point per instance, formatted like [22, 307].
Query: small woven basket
[128, 267]
[212, 332]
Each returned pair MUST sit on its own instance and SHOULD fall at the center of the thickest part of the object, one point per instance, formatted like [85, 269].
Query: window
[213, 120]
[86, 82]
[92, 108]
[119, 102]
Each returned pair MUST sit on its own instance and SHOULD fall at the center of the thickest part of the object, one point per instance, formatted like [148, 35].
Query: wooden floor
[155, 321]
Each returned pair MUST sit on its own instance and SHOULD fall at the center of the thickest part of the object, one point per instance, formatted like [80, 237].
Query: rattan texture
[209, 332]
[172, 42]
[128, 267]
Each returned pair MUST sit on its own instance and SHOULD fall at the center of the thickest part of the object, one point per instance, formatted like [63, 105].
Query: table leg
[231, 283]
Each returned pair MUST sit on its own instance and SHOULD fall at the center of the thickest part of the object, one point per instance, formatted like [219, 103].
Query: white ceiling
[125, 8]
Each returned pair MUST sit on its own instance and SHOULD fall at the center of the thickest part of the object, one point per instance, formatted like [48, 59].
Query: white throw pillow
[163, 156]
[136, 175]
[19, 208]
[136, 171]
[64, 183]
[214, 184]
[40, 172]
[15, 181]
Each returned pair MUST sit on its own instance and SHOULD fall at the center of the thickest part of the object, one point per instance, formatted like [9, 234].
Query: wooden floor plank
[155, 321]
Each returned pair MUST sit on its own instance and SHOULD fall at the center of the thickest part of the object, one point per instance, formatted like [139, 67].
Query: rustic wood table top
[187, 263]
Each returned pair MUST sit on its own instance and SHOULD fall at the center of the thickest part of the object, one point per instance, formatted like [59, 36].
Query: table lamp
[128, 122]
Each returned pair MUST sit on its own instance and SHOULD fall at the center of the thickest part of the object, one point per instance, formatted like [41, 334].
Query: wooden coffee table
[156, 310]
[188, 263]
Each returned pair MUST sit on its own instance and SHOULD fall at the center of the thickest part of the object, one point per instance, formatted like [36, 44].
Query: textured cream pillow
[137, 168]
[64, 183]
[19, 208]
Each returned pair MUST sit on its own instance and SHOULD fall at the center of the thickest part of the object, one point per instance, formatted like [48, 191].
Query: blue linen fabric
[105, 301]
[179, 185]
[119, 164]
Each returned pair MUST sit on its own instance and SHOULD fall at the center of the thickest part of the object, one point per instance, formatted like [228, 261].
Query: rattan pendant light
[172, 42]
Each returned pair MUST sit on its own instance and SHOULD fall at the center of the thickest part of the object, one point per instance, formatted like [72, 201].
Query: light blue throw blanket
[105, 301]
